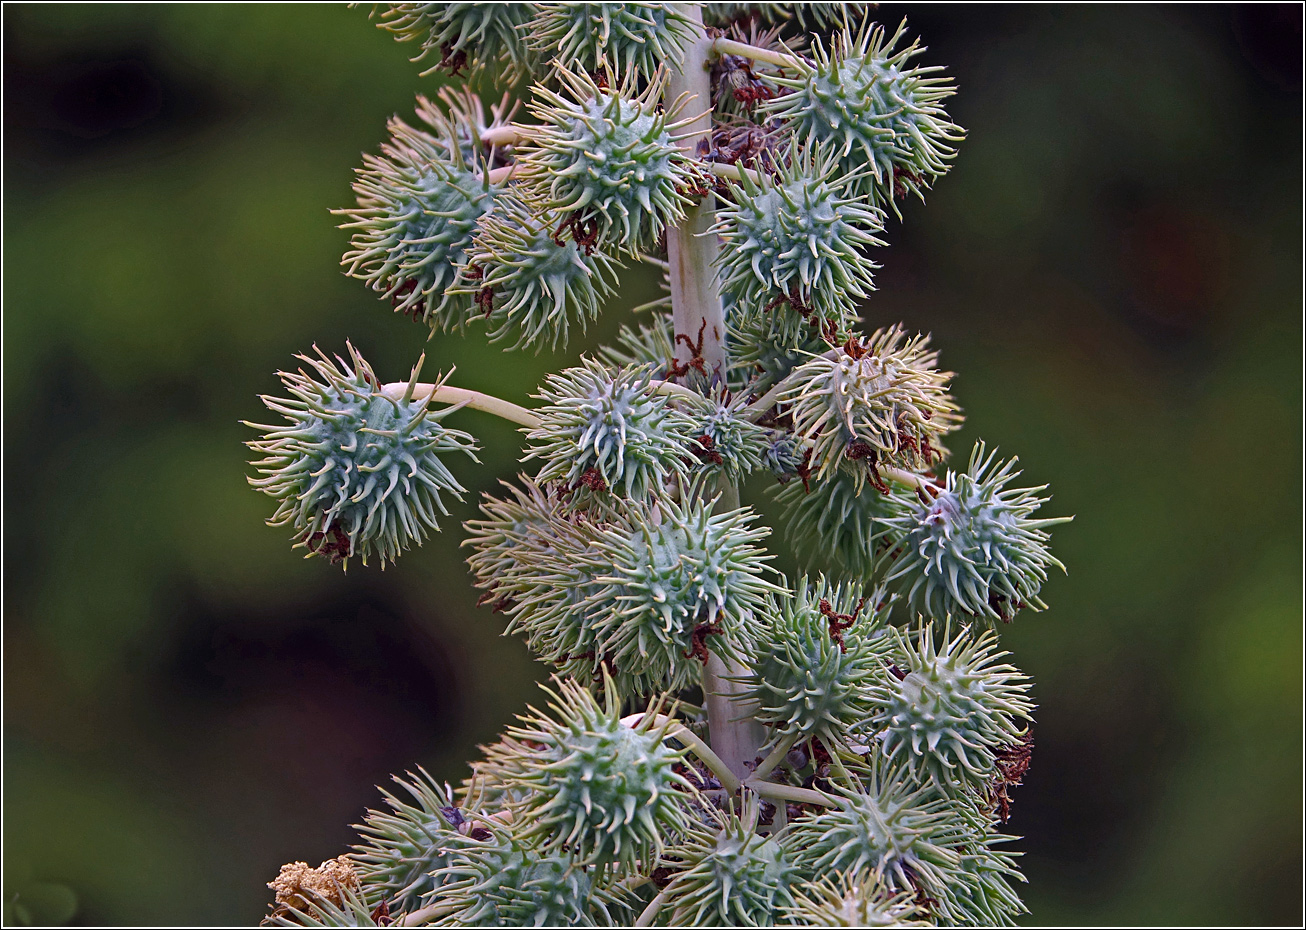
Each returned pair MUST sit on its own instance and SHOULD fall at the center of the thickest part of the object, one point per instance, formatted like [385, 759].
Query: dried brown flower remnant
[298, 886]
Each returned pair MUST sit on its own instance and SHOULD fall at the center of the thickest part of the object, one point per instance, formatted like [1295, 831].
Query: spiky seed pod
[988, 898]
[500, 880]
[877, 401]
[552, 610]
[885, 118]
[522, 522]
[853, 899]
[908, 834]
[953, 709]
[463, 34]
[630, 38]
[838, 522]
[418, 209]
[825, 646]
[730, 443]
[783, 455]
[792, 245]
[644, 593]
[544, 580]
[529, 287]
[609, 430]
[606, 161]
[406, 844]
[680, 582]
[604, 791]
[728, 875]
[974, 549]
[357, 471]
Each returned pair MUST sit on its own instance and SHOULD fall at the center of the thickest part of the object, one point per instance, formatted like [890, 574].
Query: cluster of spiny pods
[722, 745]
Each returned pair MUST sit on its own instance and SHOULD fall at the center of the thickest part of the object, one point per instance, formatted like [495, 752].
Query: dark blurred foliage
[1114, 268]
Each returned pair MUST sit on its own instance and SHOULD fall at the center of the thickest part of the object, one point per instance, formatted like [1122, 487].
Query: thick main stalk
[700, 328]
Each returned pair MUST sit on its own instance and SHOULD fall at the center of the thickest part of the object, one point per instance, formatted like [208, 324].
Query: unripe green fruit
[609, 430]
[605, 162]
[872, 402]
[630, 38]
[418, 209]
[728, 877]
[676, 583]
[604, 791]
[886, 120]
[951, 710]
[908, 834]
[825, 645]
[973, 548]
[406, 844]
[853, 899]
[358, 470]
[792, 247]
[837, 522]
[530, 288]
[503, 881]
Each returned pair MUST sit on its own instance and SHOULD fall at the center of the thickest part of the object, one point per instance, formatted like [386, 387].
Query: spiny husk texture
[497, 878]
[874, 401]
[603, 791]
[727, 875]
[472, 35]
[406, 844]
[357, 471]
[605, 430]
[530, 288]
[606, 162]
[974, 547]
[792, 245]
[884, 117]
[629, 38]
[837, 522]
[644, 593]
[952, 710]
[826, 645]
[853, 899]
[918, 841]
[418, 210]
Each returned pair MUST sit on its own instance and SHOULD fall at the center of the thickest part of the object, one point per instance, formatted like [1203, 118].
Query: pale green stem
[673, 389]
[904, 477]
[769, 789]
[697, 746]
[501, 135]
[691, 249]
[776, 757]
[840, 768]
[723, 46]
[654, 260]
[650, 913]
[660, 302]
[462, 397]
[700, 331]
[781, 818]
[765, 402]
[428, 913]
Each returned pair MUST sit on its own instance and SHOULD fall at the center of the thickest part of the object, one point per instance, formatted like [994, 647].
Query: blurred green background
[1113, 266]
